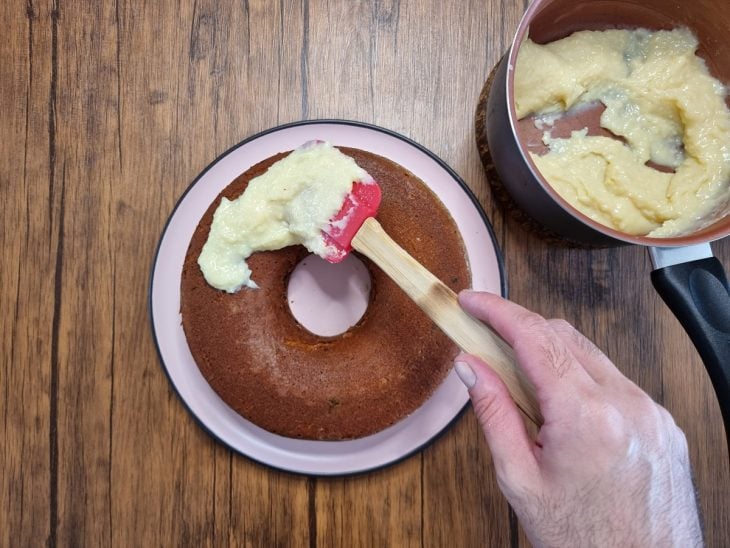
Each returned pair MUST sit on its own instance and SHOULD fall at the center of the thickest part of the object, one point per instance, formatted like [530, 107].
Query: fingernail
[466, 374]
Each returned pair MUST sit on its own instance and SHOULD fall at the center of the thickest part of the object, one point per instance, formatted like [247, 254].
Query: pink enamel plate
[317, 458]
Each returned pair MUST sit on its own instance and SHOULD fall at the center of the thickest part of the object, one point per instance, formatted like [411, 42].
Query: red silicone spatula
[361, 202]
[354, 227]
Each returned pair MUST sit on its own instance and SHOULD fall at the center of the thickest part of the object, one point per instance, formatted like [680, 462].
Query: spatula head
[360, 203]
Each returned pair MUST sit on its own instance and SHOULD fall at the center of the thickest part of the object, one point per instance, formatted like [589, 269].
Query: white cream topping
[289, 204]
[661, 99]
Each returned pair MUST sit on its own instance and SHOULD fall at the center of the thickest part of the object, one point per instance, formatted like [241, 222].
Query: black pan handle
[698, 294]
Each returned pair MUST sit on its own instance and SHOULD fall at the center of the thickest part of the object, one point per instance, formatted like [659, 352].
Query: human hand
[609, 466]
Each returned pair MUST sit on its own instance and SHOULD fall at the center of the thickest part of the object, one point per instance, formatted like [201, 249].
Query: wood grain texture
[110, 109]
[30, 225]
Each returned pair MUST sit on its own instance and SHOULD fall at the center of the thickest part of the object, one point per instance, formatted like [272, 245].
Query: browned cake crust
[283, 378]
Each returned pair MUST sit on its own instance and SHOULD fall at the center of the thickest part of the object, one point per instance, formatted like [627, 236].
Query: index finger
[546, 360]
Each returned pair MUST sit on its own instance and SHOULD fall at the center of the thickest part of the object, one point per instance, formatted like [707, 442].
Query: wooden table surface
[109, 110]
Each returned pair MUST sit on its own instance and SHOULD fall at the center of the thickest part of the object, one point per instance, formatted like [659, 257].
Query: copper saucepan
[690, 280]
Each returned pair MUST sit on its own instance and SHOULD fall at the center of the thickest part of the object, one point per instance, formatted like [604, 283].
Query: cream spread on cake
[660, 99]
[289, 204]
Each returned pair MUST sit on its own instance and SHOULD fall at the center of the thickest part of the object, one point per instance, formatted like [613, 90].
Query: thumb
[504, 428]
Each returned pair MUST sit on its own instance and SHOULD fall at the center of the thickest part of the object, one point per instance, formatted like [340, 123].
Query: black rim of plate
[444, 165]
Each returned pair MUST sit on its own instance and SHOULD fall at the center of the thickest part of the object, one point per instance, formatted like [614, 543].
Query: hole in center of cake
[328, 299]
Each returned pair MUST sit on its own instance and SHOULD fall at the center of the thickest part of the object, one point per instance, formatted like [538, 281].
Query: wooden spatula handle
[441, 305]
